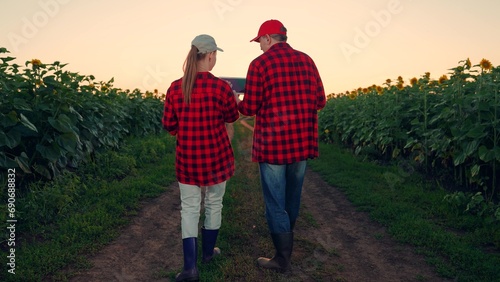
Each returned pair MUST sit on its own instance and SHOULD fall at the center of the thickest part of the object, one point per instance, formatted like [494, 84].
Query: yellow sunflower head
[485, 65]
[442, 79]
[380, 90]
[413, 81]
[36, 62]
[400, 86]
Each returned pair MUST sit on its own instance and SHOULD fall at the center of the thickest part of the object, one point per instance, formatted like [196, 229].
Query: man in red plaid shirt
[284, 91]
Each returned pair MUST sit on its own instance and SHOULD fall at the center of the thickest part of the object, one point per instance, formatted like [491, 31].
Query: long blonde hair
[190, 69]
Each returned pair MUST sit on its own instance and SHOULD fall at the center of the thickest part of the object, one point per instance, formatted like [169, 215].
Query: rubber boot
[208, 239]
[283, 243]
[190, 271]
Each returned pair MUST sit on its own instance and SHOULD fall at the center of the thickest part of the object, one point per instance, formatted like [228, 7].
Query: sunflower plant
[52, 119]
[448, 128]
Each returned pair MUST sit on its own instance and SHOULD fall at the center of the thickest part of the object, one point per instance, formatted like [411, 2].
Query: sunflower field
[51, 119]
[449, 128]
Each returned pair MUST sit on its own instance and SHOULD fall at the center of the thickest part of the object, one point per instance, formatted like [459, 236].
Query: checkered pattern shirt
[204, 155]
[284, 91]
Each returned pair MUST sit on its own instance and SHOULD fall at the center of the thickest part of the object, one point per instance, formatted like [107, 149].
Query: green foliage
[75, 213]
[114, 165]
[48, 200]
[474, 204]
[52, 119]
[448, 128]
[64, 134]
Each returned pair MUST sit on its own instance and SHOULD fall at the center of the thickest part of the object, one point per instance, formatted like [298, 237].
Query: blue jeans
[282, 189]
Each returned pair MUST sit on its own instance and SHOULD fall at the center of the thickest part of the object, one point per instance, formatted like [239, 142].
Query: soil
[151, 244]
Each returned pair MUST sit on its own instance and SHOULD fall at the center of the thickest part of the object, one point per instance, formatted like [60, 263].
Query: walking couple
[283, 90]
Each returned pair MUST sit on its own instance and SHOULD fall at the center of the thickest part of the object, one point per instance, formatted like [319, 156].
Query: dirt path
[151, 244]
[364, 250]
[147, 247]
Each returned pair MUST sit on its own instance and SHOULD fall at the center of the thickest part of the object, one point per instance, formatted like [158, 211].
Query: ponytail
[190, 72]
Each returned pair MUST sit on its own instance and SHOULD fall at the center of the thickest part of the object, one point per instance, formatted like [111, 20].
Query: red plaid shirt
[204, 155]
[284, 91]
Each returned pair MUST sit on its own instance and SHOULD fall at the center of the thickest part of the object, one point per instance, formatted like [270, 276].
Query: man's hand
[236, 97]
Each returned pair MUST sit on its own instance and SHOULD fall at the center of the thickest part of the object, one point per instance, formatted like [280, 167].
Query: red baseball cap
[270, 27]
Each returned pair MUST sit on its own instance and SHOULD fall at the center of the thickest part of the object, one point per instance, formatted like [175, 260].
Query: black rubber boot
[283, 243]
[190, 271]
[208, 239]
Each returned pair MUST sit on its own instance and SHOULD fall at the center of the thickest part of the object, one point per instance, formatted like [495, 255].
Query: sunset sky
[143, 44]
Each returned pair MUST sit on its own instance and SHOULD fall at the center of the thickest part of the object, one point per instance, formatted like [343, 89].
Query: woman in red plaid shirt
[197, 108]
[284, 92]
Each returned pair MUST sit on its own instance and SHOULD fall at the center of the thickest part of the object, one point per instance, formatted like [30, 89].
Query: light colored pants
[191, 205]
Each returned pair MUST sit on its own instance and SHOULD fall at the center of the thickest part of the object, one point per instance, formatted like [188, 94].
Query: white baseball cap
[205, 44]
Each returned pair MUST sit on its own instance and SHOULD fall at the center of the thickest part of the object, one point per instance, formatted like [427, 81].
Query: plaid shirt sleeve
[320, 91]
[204, 155]
[169, 121]
[284, 91]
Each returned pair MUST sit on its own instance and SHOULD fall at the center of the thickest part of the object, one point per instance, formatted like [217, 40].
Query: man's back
[284, 90]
